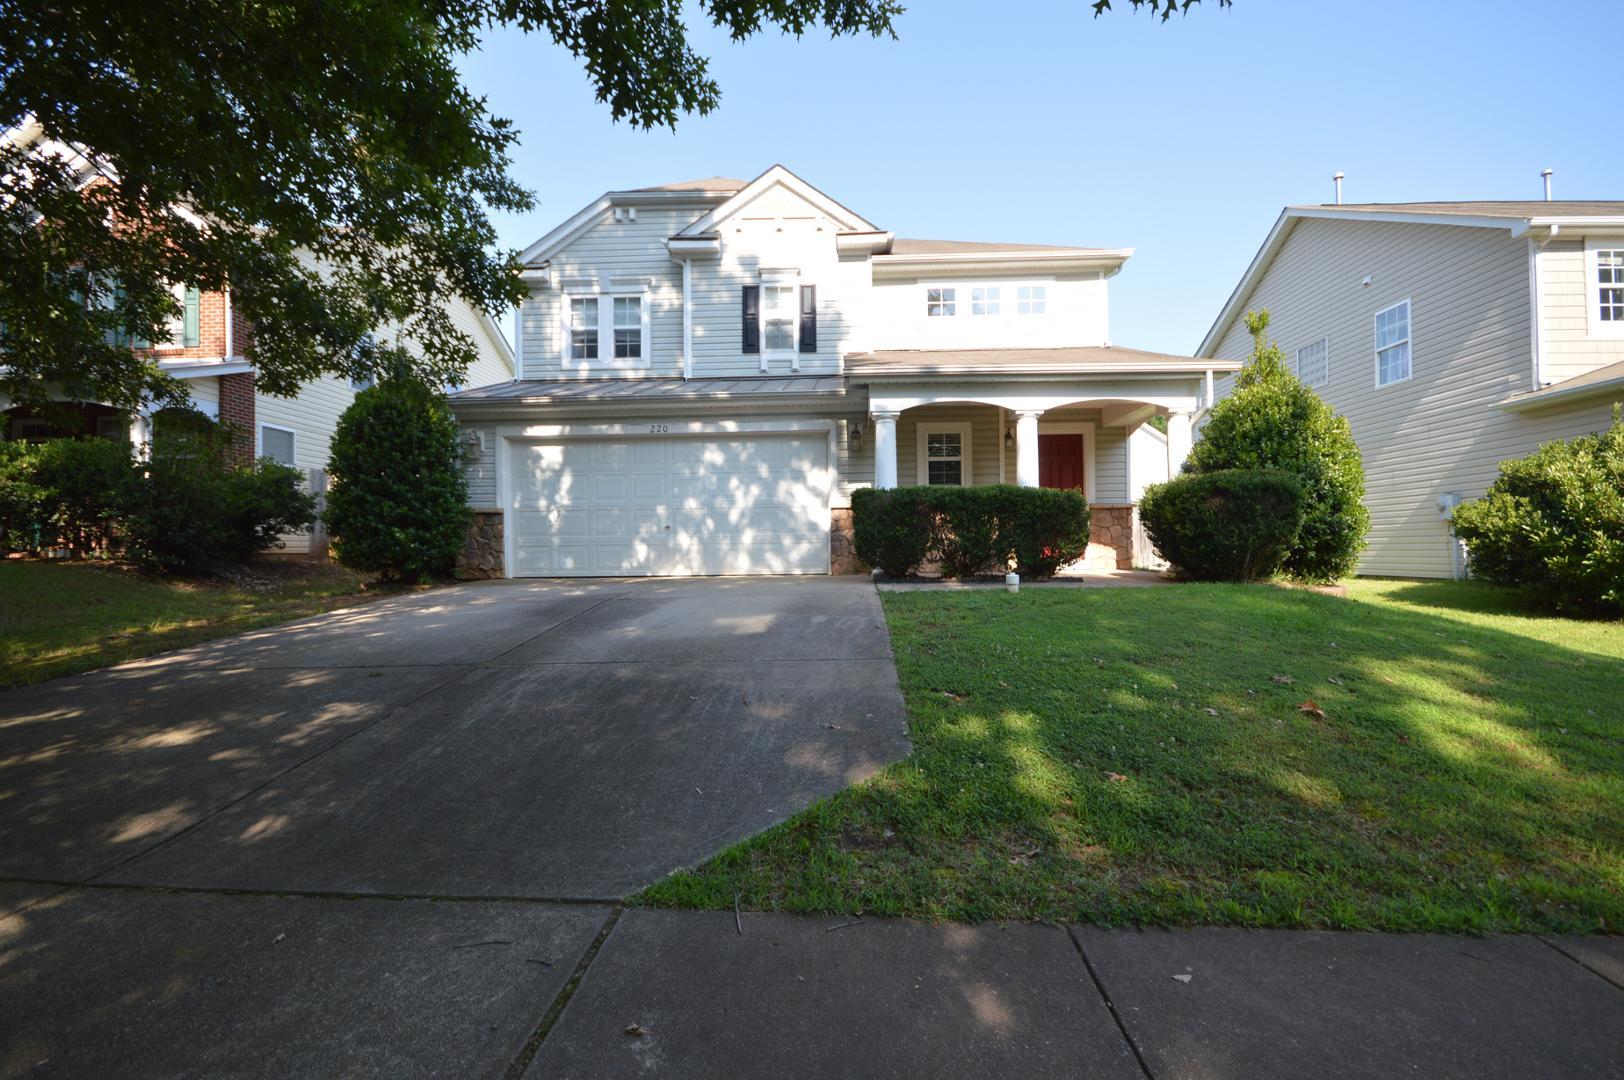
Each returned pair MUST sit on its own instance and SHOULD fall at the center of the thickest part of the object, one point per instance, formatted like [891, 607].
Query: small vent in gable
[625, 213]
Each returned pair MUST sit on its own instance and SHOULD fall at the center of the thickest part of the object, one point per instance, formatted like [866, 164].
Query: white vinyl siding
[1568, 346]
[1072, 311]
[1441, 432]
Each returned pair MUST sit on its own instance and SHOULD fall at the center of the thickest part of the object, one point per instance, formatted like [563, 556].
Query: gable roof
[1087, 359]
[1518, 217]
[901, 246]
[778, 176]
[709, 183]
[1604, 380]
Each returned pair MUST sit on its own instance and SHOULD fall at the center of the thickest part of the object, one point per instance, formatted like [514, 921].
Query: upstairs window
[984, 300]
[779, 308]
[1031, 299]
[1393, 344]
[1314, 362]
[583, 329]
[628, 328]
[940, 302]
[1607, 287]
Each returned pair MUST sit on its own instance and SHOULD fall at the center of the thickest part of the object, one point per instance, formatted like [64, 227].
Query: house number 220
[658, 429]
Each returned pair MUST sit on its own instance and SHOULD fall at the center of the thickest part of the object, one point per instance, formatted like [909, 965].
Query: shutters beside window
[809, 318]
[752, 318]
[191, 334]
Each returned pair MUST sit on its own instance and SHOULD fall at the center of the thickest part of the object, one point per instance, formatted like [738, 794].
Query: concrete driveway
[507, 739]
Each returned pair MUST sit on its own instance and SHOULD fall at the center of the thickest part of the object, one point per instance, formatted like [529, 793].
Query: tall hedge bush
[1553, 523]
[1273, 421]
[82, 485]
[1229, 525]
[22, 501]
[398, 505]
[970, 530]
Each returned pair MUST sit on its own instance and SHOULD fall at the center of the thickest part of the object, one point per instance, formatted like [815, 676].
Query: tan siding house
[1487, 313]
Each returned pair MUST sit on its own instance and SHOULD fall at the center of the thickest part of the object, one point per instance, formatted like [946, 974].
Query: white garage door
[751, 504]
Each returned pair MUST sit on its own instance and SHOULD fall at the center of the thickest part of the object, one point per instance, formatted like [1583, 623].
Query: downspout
[687, 317]
[1536, 293]
[225, 295]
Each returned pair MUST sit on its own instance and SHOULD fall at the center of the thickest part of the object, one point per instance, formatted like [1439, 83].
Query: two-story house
[1452, 335]
[706, 370]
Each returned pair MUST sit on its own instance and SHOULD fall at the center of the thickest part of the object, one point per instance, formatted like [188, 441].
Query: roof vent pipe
[1546, 173]
[1337, 180]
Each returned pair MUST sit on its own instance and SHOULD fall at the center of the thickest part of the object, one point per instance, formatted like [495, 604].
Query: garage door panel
[678, 505]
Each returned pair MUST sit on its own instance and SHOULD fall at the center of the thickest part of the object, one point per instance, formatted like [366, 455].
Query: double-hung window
[583, 327]
[276, 443]
[984, 300]
[1604, 270]
[628, 327]
[944, 454]
[941, 302]
[607, 330]
[779, 309]
[1393, 344]
[780, 318]
[1314, 362]
[1031, 299]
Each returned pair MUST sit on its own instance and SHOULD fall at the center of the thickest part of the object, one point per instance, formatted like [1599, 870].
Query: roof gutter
[1560, 395]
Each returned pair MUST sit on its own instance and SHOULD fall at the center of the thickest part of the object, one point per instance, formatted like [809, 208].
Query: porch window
[1031, 299]
[1393, 344]
[944, 454]
[984, 301]
[940, 302]
[1314, 362]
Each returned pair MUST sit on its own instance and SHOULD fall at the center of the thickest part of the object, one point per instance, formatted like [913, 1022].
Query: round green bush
[1230, 525]
[970, 530]
[398, 503]
[891, 528]
[1553, 523]
[1272, 421]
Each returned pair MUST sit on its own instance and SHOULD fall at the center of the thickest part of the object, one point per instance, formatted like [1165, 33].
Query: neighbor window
[1030, 299]
[984, 301]
[628, 327]
[1393, 344]
[583, 328]
[276, 443]
[940, 302]
[1610, 284]
[779, 306]
[944, 454]
[1313, 362]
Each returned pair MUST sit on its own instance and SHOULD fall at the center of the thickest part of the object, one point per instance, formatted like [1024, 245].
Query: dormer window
[940, 302]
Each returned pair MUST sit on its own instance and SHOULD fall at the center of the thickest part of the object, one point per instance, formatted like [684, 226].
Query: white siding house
[1445, 333]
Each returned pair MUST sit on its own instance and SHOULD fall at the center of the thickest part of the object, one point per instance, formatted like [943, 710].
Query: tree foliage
[322, 156]
[1272, 421]
[1162, 8]
[1553, 522]
[398, 505]
[1225, 525]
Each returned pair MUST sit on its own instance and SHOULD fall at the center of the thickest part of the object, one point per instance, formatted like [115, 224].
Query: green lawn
[1144, 756]
[57, 618]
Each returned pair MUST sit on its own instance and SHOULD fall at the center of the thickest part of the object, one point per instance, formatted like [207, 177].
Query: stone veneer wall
[1110, 537]
[842, 543]
[481, 556]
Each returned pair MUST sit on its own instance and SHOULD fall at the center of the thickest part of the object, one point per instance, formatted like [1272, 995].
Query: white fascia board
[1608, 222]
[777, 175]
[1108, 262]
[199, 369]
[912, 373]
[1470, 221]
[564, 233]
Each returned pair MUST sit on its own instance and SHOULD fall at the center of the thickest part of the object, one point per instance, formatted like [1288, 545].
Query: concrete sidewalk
[138, 982]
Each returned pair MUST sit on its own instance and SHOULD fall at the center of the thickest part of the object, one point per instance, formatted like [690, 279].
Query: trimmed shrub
[1231, 525]
[82, 484]
[398, 505]
[970, 530]
[1273, 421]
[188, 508]
[22, 501]
[1553, 523]
[891, 528]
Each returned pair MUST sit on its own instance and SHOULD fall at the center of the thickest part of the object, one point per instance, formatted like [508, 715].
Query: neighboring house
[708, 369]
[1452, 335]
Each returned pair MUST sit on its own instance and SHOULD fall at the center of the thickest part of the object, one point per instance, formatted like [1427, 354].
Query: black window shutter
[752, 318]
[809, 318]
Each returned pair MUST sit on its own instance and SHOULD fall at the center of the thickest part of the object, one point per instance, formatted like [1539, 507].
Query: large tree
[322, 156]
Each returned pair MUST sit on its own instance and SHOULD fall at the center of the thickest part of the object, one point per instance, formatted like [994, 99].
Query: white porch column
[885, 449]
[1026, 448]
[1178, 441]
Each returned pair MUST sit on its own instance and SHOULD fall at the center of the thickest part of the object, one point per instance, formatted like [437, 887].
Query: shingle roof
[709, 183]
[901, 246]
[587, 391]
[1530, 208]
[1591, 382]
[1020, 361]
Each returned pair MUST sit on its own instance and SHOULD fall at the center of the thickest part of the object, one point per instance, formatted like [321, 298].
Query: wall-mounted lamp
[854, 435]
[1009, 438]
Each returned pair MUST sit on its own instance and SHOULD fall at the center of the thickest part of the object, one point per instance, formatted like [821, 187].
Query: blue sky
[1036, 122]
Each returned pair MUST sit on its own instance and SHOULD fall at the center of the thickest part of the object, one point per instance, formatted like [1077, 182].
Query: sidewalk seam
[549, 1019]
[1543, 940]
[1105, 996]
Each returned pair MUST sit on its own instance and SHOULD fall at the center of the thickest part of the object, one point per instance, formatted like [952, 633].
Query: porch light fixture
[855, 437]
[1009, 438]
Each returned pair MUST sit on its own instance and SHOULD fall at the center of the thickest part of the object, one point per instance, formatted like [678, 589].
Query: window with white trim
[944, 454]
[628, 327]
[1609, 285]
[1393, 344]
[780, 310]
[984, 300]
[583, 327]
[1314, 362]
[940, 302]
[276, 443]
[1031, 299]
[608, 329]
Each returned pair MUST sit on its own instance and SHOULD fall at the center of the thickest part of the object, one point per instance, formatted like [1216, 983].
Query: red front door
[1060, 461]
